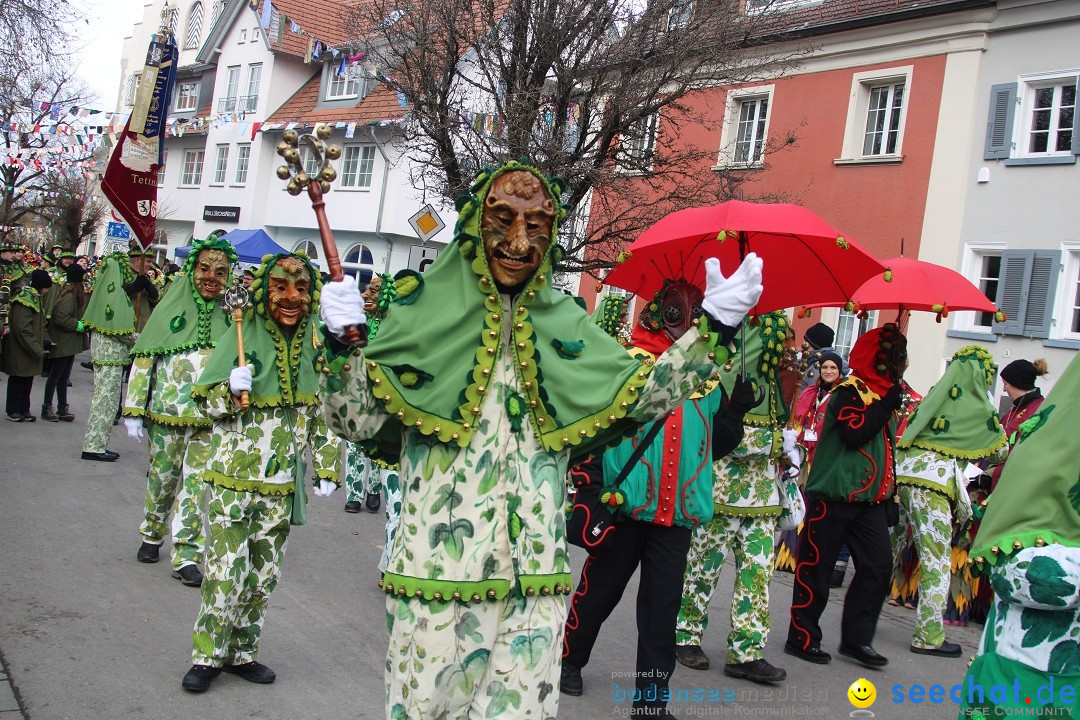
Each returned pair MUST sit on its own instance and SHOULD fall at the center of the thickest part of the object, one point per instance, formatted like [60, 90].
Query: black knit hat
[835, 357]
[819, 335]
[75, 273]
[1020, 374]
[40, 279]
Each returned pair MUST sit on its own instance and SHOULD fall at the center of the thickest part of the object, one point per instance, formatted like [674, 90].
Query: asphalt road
[87, 632]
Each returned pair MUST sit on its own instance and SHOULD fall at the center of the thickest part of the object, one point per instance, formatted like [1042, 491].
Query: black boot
[64, 413]
[48, 415]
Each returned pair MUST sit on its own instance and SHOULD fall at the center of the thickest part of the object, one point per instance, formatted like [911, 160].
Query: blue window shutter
[1076, 123]
[1042, 282]
[1012, 290]
[999, 125]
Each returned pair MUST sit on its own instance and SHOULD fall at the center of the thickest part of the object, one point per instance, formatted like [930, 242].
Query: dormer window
[349, 85]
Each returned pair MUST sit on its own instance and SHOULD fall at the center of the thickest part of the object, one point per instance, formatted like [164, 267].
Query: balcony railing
[247, 103]
[227, 104]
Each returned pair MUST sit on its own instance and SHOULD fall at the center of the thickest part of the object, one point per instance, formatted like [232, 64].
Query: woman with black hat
[1018, 381]
[24, 345]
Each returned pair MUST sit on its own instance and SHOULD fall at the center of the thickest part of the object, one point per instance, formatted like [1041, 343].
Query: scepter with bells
[235, 300]
[298, 179]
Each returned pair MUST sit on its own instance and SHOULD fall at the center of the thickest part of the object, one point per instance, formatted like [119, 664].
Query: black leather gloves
[743, 397]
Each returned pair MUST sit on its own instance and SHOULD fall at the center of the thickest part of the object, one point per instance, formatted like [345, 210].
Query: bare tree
[41, 157]
[74, 212]
[580, 87]
[32, 33]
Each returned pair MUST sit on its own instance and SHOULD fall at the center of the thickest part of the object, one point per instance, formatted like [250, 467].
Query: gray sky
[104, 26]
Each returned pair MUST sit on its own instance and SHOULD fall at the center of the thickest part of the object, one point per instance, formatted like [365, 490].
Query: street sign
[420, 256]
[118, 230]
[426, 223]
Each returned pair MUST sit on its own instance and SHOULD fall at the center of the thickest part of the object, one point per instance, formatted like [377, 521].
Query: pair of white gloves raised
[726, 299]
[792, 451]
[239, 381]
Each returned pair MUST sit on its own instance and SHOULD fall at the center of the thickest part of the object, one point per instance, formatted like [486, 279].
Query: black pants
[662, 552]
[59, 372]
[18, 394]
[828, 525]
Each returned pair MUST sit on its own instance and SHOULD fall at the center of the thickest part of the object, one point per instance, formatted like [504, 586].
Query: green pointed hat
[956, 417]
[110, 311]
[437, 347]
[183, 320]
[283, 370]
[765, 338]
[1037, 500]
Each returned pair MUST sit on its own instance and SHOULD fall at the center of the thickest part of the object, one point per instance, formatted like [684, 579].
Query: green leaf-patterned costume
[1029, 545]
[168, 358]
[480, 556]
[251, 460]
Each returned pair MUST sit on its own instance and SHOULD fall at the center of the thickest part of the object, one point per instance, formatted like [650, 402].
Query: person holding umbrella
[848, 499]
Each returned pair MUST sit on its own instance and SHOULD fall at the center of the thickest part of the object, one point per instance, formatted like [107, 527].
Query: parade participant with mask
[252, 460]
[168, 358]
[487, 383]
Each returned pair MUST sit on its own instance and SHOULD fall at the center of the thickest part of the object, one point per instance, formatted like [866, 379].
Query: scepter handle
[241, 359]
[353, 334]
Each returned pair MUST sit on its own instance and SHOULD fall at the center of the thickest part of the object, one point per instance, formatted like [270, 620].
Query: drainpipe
[382, 200]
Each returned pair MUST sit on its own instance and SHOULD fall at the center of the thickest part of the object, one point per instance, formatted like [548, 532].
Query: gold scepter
[289, 149]
[235, 300]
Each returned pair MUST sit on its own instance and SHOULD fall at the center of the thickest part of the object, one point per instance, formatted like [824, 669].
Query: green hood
[1037, 499]
[956, 417]
[436, 347]
[110, 311]
[183, 320]
[283, 371]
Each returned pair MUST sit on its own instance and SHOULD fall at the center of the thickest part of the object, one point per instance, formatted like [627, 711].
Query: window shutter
[1000, 123]
[1042, 282]
[1012, 290]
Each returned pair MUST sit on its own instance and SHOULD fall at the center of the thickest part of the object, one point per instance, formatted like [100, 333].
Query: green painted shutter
[999, 125]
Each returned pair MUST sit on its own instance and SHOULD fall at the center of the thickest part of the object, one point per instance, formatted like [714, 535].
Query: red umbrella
[911, 284]
[806, 260]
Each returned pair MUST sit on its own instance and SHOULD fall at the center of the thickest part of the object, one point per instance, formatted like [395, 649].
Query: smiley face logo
[862, 693]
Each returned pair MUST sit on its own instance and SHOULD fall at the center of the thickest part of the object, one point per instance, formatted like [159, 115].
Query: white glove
[795, 458]
[134, 427]
[727, 300]
[240, 380]
[340, 306]
[789, 439]
[325, 489]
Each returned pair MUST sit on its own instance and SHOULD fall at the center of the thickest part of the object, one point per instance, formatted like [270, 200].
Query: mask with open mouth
[673, 310]
[289, 292]
[371, 294]
[516, 227]
[211, 274]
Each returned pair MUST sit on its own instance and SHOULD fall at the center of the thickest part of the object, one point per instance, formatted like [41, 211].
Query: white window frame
[251, 99]
[641, 147]
[354, 158]
[1067, 294]
[221, 164]
[243, 163]
[191, 170]
[971, 268]
[347, 86]
[161, 169]
[1028, 86]
[194, 26]
[227, 103]
[680, 14]
[850, 324]
[729, 136]
[132, 88]
[243, 37]
[187, 101]
[862, 83]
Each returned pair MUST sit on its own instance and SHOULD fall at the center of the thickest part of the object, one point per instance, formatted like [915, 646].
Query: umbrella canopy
[911, 284]
[250, 245]
[806, 260]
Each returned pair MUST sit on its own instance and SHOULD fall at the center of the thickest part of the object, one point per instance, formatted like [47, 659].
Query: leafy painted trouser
[103, 406]
[392, 502]
[751, 539]
[930, 515]
[361, 475]
[498, 658]
[168, 483]
[246, 535]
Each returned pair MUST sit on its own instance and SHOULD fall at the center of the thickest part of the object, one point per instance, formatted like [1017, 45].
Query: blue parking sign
[118, 230]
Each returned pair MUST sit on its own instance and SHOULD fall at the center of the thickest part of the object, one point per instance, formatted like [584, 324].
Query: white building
[239, 86]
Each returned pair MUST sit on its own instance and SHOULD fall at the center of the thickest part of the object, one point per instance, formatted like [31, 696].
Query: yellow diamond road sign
[426, 223]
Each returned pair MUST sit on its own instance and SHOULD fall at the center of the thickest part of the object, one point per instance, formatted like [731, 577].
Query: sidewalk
[89, 633]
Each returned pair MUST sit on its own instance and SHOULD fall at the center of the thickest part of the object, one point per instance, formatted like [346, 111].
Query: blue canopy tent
[250, 246]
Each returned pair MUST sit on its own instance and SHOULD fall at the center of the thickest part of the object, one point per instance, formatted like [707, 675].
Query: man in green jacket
[24, 345]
